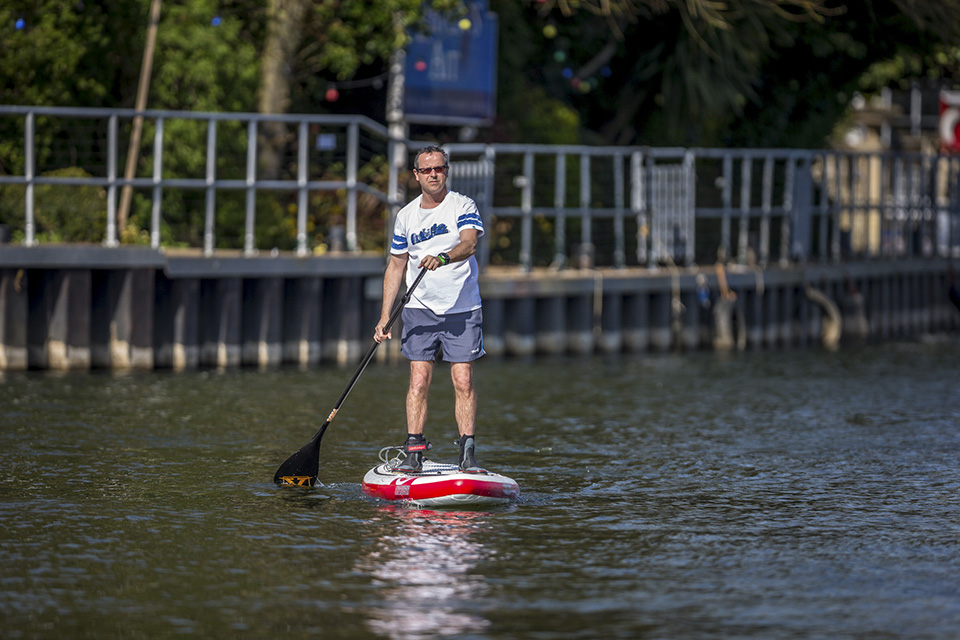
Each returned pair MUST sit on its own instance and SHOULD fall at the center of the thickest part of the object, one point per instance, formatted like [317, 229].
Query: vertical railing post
[211, 193]
[250, 214]
[111, 240]
[353, 144]
[638, 204]
[30, 229]
[934, 203]
[824, 208]
[837, 206]
[726, 242]
[526, 222]
[619, 256]
[882, 206]
[689, 198]
[789, 180]
[586, 257]
[858, 238]
[560, 218]
[303, 176]
[489, 161]
[746, 175]
[157, 185]
[766, 205]
[653, 201]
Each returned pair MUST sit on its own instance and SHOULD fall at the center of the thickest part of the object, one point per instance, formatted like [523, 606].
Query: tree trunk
[284, 24]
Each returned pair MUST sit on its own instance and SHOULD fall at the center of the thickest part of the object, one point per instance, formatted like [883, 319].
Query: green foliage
[752, 73]
[205, 61]
[45, 61]
[62, 213]
[342, 36]
[942, 63]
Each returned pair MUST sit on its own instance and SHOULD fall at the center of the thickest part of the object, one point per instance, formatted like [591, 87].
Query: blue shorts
[458, 336]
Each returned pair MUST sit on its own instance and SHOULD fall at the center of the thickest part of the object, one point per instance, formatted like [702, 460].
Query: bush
[62, 213]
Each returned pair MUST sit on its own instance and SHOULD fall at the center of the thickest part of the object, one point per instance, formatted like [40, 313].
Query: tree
[697, 73]
[327, 38]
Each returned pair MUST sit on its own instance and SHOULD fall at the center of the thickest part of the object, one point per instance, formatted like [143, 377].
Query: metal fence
[342, 178]
[342, 157]
[550, 205]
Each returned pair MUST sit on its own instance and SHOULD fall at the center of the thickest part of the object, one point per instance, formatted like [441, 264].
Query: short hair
[430, 149]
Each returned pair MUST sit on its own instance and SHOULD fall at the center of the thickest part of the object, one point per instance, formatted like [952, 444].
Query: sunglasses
[428, 170]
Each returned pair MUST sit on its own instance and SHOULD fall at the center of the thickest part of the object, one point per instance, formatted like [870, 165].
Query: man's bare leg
[466, 411]
[421, 374]
[466, 397]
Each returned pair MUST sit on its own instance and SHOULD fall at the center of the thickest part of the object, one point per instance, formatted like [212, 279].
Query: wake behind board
[440, 485]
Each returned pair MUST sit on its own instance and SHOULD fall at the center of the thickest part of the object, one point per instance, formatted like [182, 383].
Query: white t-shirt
[419, 232]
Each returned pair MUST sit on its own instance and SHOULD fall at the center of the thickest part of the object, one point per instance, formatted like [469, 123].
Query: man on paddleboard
[438, 231]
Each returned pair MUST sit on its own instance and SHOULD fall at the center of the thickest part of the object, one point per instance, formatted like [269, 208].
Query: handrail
[542, 204]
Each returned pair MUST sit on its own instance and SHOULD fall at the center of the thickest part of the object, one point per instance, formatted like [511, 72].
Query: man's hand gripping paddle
[302, 467]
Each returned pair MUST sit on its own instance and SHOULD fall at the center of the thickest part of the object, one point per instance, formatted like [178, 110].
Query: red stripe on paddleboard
[404, 488]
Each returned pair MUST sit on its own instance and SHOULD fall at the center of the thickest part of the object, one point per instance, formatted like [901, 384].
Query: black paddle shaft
[373, 347]
[301, 468]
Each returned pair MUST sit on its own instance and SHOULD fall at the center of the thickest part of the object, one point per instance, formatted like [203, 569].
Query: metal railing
[313, 142]
[543, 205]
[650, 206]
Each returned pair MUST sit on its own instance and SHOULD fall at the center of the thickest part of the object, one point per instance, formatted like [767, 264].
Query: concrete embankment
[89, 307]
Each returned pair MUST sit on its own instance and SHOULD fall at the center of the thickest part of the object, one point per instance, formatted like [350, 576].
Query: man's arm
[392, 277]
[466, 248]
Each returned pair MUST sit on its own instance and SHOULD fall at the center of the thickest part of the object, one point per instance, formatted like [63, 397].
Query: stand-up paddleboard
[439, 485]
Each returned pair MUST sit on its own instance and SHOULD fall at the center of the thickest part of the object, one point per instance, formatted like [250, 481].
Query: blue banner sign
[451, 69]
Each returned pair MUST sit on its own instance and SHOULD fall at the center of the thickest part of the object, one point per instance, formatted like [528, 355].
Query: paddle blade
[302, 467]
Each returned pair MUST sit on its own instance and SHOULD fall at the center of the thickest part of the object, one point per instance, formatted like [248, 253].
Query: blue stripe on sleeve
[472, 218]
[399, 243]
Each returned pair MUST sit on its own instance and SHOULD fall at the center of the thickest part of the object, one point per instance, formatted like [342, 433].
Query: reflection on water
[421, 563]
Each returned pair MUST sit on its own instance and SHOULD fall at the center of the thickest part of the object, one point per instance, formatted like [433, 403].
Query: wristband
[444, 259]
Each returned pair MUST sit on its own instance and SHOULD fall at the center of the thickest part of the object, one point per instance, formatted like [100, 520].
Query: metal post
[690, 206]
[489, 166]
[249, 237]
[211, 193]
[111, 240]
[586, 232]
[788, 213]
[637, 204]
[619, 258]
[353, 142]
[766, 207]
[559, 202]
[526, 222]
[303, 175]
[854, 177]
[824, 208]
[746, 171]
[157, 189]
[29, 170]
[837, 204]
[882, 207]
[652, 211]
[727, 197]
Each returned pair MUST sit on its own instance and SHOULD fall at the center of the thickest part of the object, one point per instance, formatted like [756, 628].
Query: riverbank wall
[73, 307]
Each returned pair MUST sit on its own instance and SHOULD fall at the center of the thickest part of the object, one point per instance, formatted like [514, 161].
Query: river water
[776, 494]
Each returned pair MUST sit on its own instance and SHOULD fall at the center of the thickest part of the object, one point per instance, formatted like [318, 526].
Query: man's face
[434, 180]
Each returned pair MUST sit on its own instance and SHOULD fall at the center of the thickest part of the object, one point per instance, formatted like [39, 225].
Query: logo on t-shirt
[426, 234]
